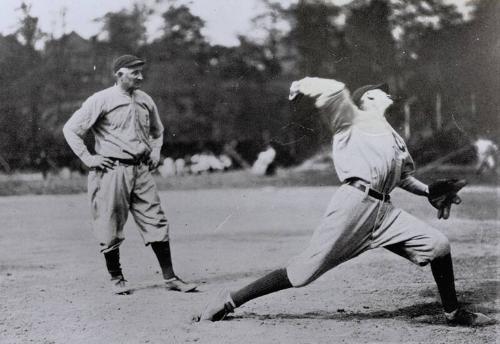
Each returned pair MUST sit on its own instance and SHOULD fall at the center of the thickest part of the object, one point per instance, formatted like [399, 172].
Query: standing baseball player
[128, 138]
[371, 160]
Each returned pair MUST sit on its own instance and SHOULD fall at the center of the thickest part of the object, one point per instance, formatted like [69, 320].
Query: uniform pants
[356, 222]
[113, 193]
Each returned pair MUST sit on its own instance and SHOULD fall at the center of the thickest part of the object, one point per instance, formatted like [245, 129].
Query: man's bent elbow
[66, 130]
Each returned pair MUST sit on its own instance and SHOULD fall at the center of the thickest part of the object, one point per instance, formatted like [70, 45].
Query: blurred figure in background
[45, 164]
[225, 161]
[231, 150]
[486, 151]
[180, 166]
[263, 165]
[167, 169]
[205, 162]
[199, 163]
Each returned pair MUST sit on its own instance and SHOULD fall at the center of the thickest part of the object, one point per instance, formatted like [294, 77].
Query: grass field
[54, 286]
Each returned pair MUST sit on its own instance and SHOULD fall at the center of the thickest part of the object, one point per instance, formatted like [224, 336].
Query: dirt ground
[54, 287]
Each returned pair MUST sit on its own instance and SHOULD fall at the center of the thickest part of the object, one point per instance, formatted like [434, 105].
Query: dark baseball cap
[356, 95]
[127, 61]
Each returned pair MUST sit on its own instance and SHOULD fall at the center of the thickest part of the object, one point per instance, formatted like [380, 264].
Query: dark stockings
[113, 263]
[270, 283]
[442, 270]
[162, 252]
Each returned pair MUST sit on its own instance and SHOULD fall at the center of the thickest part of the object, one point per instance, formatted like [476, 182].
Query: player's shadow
[424, 313]
[486, 291]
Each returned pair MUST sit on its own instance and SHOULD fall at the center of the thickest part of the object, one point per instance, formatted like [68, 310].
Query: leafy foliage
[209, 95]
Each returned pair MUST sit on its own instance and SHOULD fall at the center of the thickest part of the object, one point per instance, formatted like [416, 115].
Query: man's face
[376, 99]
[130, 78]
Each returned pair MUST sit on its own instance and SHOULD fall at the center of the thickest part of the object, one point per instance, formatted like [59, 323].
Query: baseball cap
[127, 61]
[356, 95]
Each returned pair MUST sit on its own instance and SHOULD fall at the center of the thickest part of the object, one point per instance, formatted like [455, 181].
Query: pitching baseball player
[128, 138]
[371, 159]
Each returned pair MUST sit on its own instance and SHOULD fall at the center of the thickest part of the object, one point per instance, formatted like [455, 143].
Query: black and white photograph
[249, 171]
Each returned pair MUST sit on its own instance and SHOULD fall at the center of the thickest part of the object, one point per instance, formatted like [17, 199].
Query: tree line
[442, 67]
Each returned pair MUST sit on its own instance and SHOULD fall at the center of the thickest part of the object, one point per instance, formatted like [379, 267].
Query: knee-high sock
[162, 252]
[442, 270]
[270, 283]
[113, 263]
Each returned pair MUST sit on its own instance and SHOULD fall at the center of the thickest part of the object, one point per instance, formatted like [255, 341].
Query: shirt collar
[122, 91]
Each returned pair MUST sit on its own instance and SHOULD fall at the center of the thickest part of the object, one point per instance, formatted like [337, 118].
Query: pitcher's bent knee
[298, 280]
[441, 246]
[437, 246]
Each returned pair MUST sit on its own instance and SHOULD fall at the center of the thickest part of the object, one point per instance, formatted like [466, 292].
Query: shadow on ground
[425, 313]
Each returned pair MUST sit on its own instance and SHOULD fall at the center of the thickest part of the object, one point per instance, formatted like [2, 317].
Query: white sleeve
[321, 89]
[331, 98]
[79, 124]
[156, 129]
[415, 186]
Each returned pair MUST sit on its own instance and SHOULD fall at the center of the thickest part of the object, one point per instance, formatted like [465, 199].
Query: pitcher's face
[376, 99]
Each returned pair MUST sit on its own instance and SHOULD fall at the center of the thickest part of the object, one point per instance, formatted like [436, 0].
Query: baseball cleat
[176, 284]
[466, 318]
[119, 286]
[218, 308]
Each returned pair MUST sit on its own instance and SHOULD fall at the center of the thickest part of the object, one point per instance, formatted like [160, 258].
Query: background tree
[209, 95]
[28, 102]
[315, 37]
[125, 31]
[371, 48]
[481, 53]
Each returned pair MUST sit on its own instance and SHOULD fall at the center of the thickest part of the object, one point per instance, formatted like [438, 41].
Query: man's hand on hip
[101, 162]
[154, 159]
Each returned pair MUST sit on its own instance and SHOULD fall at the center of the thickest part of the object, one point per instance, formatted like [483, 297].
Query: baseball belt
[134, 162]
[361, 185]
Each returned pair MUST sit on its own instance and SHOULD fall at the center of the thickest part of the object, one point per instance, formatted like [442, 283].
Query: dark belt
[361, 185]
[133, 162]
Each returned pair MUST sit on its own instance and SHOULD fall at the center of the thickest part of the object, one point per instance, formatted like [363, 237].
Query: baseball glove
[443, 193]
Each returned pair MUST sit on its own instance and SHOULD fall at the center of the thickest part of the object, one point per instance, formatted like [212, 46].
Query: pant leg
[344, 232]
[410, 237]
[146, 208]
[109, 203]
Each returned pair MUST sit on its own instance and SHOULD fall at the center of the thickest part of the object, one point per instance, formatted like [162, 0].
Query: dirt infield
[53, 284]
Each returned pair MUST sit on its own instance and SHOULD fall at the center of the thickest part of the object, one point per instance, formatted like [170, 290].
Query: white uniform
[264, 159]
[365, 148]
[485, 151]
[125, 127]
